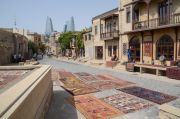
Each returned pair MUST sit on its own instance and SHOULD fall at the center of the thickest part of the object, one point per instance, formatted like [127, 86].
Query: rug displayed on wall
[150, 95]
[93, 108]
[76, 87]
[7, 76]
[126, 103]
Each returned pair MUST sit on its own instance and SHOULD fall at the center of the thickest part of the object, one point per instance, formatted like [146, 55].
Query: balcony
[110, 35]
[167, 21]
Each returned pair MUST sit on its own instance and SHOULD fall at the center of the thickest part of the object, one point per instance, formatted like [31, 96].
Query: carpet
[126, 103]
[93, 108]
[120, 82]
[104, 85]
[9, 76]
[64, 74]
[154, 96]
[76, 87]
[82, 74]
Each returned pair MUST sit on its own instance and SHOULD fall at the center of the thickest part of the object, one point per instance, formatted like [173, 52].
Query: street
[61, 109]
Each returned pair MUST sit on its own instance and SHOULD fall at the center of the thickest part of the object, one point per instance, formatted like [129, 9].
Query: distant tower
[71, 24]
[49, 27]
[65, 28]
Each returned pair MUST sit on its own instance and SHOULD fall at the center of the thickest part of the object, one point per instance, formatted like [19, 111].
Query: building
[70, 25]
[49, 27]
[105, 31]
[150, 28]
[88, 44]
[53, 44]
[10, 44]
[35, 37]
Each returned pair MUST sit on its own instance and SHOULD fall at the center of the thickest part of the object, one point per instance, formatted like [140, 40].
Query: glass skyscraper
[70, 25]
[49, 27]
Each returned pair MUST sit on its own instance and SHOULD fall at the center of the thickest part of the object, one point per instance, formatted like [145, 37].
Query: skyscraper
[70, 25]
[49, 27]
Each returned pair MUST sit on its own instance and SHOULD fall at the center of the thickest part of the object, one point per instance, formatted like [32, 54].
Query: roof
[105, 14]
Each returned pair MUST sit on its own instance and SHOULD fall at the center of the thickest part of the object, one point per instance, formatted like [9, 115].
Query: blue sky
[31, 14]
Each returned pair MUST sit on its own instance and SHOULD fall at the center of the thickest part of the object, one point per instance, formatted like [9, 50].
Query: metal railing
[157, 22]
[112, 34]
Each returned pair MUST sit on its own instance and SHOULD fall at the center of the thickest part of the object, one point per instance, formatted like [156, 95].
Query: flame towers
[69, 26]
[49, 27]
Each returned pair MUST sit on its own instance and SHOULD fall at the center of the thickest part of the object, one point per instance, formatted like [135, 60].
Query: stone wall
[10, 44]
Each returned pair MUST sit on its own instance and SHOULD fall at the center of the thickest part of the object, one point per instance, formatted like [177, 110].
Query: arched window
[134, 46]
[165, 46]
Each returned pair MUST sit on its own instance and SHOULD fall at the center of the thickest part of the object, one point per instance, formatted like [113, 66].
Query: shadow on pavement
[60, 108]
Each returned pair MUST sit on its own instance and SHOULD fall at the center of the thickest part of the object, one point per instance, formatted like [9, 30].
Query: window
[115, 50]
[96, 30]
[165, 11]
[165, 46]
[85, 37]
[102, 28]
[110, 51]
[128, 15]
[89, 36]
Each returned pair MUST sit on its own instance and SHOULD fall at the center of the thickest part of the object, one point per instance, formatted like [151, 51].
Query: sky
[32, 14]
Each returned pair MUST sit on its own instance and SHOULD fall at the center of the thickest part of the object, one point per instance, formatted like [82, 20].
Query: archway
[165, 46]
[134, 46]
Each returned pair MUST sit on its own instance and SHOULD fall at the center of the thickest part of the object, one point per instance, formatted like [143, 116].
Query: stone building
[35, 37]
[150, 28]
[10, 44]
[88, 44]
[53, 44]
[105, 31]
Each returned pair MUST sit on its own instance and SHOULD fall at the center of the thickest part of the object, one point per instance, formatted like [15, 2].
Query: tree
[65, 40]
[42, 48]
[32, 48]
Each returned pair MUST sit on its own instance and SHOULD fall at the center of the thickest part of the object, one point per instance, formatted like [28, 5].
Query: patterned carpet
[9, 76]
[126, 103]
[150, 95]
[76, 87]
[93, 108]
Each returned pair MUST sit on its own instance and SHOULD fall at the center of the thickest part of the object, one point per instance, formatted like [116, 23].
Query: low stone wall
[29, 98]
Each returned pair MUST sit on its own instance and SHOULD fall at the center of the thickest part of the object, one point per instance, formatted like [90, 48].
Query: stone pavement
[61, 109]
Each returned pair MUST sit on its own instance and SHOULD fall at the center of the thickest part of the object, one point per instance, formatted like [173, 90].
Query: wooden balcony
[110, 35]
[173, 20]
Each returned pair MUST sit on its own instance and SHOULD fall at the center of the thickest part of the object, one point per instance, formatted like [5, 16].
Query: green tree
[65, 40]
[32, 48]
[42, 48]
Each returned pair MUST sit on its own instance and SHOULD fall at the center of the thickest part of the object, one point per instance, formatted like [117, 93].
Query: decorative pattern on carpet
[82, 74]
[76, 87]
[105, 85]
[86, 78]
[64, 74]
[121, 83]
[8, 76]
[150, 95]
[126, 103]
[93, 108]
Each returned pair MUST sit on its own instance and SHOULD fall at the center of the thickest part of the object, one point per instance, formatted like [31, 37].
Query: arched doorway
[165, 46]
[134, 46]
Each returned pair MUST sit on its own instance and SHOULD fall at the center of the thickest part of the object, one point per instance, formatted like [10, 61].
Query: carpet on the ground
[126, 103]
[154, 96]
[93, 108]
[76, 87]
